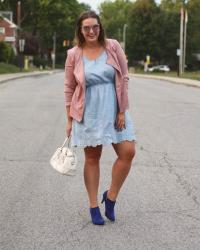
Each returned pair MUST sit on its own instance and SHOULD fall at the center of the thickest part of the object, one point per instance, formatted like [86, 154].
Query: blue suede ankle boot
[96, 216]
[109, 207]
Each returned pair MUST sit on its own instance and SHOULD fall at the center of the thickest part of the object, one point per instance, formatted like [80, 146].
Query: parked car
[163, 68]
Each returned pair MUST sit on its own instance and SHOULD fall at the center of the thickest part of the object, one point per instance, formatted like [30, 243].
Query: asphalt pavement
[176, 80]
[158, 207]
[10, 77]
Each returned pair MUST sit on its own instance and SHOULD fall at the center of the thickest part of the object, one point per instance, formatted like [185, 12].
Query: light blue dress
[98, 124]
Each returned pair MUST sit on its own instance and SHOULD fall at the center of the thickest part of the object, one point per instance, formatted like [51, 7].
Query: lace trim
[94, 144]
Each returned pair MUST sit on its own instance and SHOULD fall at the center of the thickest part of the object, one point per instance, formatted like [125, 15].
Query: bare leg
[92, 173]
[125, 152]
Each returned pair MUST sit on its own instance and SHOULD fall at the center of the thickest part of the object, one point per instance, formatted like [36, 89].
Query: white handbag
[64, 160]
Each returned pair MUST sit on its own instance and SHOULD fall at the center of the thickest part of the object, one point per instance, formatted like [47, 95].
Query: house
[8, 32]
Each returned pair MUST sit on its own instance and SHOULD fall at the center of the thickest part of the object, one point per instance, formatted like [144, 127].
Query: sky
[95, 3]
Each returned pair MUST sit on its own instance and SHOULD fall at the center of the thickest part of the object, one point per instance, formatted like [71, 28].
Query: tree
[171, 5]
[6, 52]
[145, 31]
[172, 12]
[42, 18]
[193, 34]
[114, 16]
[170, 16]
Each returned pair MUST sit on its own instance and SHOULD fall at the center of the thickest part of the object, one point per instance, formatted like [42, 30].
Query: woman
[96, 100]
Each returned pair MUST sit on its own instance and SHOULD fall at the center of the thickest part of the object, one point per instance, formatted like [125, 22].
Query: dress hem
[103, 143]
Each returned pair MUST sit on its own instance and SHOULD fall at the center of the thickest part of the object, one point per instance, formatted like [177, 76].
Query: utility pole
[21, 56]
[119, 34]
[183, 37]
[53, 53]
[19, 13]
[181, 43]
[124, 37]
[20, 40]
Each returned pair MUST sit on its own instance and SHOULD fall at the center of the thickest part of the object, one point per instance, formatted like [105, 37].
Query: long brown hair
[80, 40]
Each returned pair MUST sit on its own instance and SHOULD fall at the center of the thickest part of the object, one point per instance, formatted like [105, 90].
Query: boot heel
[109, 207]
[104, 198]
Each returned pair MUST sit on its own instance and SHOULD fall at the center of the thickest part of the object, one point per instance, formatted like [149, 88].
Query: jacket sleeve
[70, 82]
[121, 58]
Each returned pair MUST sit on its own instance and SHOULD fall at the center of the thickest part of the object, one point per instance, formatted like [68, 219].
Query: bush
[6, 52]
[60, 58]
[37, 61]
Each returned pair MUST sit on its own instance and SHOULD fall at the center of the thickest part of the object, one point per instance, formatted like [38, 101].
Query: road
[158, 207]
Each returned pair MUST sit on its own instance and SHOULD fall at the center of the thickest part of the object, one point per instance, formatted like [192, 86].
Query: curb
[183, 81]
[9, 77]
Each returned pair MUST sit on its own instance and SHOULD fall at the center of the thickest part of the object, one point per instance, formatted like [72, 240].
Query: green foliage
[42, 18]
[172, 8]
[38, 61]
[6, 52]
[152, 29]
[8, 68]
[114, 16]
[193, 40]
[144, 30]
[171, 5]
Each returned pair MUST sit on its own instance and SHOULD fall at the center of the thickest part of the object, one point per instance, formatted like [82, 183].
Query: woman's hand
[69, 127]
[120, 121]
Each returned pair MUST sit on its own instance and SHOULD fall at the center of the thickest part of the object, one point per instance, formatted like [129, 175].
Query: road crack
[23, 160]
[187, 187]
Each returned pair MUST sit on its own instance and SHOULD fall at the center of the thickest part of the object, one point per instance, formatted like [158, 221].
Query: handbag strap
[67, 140]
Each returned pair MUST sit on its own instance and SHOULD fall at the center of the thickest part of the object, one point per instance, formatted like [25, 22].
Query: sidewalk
[185, 81]
[13, 76]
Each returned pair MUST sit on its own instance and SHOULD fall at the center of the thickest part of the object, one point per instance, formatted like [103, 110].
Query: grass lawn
[191, 75]
[8, 68]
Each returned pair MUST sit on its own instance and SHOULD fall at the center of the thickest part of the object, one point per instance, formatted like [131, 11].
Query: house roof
[12, 25]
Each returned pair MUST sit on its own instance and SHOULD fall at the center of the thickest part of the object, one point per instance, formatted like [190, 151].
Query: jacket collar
[79, 67]
[112, 60]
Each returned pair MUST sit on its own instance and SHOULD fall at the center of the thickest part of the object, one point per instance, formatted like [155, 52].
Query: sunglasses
[94, 28]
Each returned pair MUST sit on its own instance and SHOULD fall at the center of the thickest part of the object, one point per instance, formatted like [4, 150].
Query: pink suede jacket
[74, 88]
